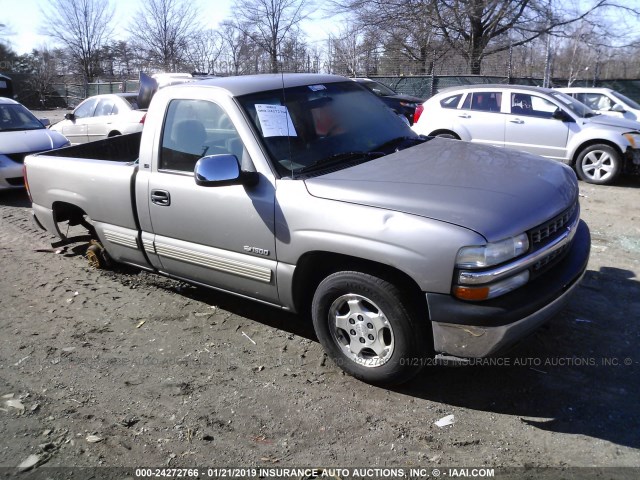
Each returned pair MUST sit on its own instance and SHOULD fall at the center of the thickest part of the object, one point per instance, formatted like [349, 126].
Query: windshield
[379, 89]
[16, 117]
[330, 124]
[626, 100]
[576, 107]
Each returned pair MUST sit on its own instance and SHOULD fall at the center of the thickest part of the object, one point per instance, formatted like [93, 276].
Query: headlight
[492, 253]
[633, 139]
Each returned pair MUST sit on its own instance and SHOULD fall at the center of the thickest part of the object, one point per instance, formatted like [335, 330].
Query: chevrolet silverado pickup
[305, 192]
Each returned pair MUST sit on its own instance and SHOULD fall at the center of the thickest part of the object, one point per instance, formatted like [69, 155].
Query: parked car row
[21, 134]
[542, 121]
[577, 126]
[102, 116]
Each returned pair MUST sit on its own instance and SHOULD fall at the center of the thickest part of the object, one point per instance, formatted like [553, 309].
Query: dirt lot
[131, 369]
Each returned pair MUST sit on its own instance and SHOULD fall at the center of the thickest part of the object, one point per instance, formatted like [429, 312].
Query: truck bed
[123, 148]
[95, 178]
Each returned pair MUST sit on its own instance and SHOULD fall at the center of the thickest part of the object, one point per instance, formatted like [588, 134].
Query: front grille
[15, 181]
[551, 229]
[549, 260]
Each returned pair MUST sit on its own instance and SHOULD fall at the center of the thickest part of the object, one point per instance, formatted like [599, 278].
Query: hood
[611, 121]
[494, 191]
[28, 141]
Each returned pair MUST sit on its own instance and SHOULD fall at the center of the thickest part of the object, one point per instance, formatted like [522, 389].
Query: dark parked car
[398, 102]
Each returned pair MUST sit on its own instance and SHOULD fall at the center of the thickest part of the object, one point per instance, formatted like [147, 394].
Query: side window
[105, 106]
[532, 105]
[86, 108]
[194, 129]
[483, 101]
[451, 102]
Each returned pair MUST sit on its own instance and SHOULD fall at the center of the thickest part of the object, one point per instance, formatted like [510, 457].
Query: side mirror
[220, 170]
[561, 115]
[617, 108]
[69, 116]
[45, 122]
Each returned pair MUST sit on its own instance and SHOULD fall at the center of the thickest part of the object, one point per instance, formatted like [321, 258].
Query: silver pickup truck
[305, 192]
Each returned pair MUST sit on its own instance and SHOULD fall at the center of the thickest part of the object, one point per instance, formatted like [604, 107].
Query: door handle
[465, 115]
[161, 197]
[517, 120]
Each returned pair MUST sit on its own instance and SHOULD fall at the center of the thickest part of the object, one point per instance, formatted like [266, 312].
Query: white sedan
[102, 116]
[20, 135]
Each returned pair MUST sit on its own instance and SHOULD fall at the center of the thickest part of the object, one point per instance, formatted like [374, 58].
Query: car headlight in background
[633, 138]
[493, 253]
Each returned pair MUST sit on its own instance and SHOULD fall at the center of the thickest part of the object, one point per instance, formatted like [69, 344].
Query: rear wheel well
[68, 212]
[113, 134]
[314, 267]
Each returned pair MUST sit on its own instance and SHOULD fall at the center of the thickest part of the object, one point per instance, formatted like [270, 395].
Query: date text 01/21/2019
[271, 472]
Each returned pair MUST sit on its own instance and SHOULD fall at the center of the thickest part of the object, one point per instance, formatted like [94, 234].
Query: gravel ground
[126, 368]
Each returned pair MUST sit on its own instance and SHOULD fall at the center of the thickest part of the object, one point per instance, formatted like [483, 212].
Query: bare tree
[42, 67]
[164, 28]
[83, 27]
[354, 51]
[475, 29]
[236, 50]
[205, 50]
[269, 22]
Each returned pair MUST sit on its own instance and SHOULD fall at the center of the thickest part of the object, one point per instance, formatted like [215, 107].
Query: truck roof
[246, 84]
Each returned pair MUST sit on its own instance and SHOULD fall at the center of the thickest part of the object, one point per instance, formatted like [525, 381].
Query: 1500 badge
[259, 251]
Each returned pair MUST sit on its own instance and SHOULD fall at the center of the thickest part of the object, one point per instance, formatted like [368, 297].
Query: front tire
[368, 328]
[599, 164]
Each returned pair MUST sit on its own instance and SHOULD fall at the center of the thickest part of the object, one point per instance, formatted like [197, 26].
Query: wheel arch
[441, 131]
[68, 212]
[64, 211]
[590, 143]
[314, 266]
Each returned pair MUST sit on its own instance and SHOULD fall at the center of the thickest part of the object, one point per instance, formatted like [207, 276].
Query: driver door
[221, 236]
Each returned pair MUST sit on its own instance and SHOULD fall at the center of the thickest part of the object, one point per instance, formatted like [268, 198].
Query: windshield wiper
[396, 143]
[337, 158]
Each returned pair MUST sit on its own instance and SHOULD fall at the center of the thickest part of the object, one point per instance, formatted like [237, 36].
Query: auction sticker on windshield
[275, 121]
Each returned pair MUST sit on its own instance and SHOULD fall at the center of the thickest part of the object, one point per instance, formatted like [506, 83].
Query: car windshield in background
[578, 108]
[379, 89]
[332, 124]
[626, 100]
[16, 117]
[133, 101]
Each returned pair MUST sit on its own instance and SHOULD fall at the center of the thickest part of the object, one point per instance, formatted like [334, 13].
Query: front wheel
[367, 328]
[599, 164]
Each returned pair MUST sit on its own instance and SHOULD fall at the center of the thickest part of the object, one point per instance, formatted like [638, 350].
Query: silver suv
[536, 120]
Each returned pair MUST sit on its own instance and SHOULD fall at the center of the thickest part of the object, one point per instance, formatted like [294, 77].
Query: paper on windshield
[275, 121]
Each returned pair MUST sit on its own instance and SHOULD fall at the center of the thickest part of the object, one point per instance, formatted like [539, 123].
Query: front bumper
[10, 175]
[472, 330]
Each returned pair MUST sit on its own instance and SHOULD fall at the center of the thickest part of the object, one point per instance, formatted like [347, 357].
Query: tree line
[573, 40]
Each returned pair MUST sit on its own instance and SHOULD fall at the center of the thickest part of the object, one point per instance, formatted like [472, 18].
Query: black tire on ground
[600, 164]
[368, 329]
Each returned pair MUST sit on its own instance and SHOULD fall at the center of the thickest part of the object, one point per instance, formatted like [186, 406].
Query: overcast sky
[23, 17]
